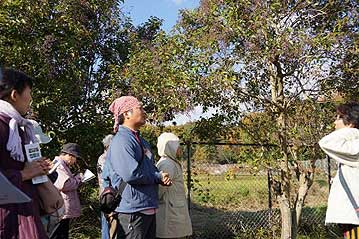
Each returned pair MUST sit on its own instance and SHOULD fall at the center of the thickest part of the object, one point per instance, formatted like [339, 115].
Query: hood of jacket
[167, 145]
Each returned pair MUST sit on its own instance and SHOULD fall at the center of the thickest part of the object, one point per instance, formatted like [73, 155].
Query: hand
[49, 162]
[166, 180]
[35, 168]
[46, 164]
[80, 176]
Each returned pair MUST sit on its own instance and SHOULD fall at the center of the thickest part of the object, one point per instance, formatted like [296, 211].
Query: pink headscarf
[122, 105]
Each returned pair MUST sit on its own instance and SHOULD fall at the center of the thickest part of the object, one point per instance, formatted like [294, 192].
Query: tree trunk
[288, 219]
[289, 228]
[305, 182]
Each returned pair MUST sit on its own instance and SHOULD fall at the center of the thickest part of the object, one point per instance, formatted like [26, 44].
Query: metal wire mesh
[233, 200]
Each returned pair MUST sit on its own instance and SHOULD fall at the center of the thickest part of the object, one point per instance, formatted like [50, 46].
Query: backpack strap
[121, 187]
[347, 190]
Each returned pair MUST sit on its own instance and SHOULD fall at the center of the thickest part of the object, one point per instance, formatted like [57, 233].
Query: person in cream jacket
[342, 145]
[172, 219]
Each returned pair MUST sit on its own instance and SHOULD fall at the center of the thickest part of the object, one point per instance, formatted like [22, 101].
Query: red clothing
[18, 221]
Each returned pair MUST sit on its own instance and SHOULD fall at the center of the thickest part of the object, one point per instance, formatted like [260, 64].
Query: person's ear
[13, 95]
[128, 114]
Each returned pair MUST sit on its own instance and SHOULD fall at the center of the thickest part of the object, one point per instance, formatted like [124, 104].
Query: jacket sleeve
[72, 183]
[65, 182]
[342, 145]
[124, 163]
[105, 174]
[109, 176]
[167, 167]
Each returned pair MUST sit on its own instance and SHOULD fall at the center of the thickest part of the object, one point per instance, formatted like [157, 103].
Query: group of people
[153, 203]
[28, 220]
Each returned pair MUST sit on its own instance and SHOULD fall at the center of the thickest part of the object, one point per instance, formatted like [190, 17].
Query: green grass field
[242, 192]
[223, 207]
[246, 192]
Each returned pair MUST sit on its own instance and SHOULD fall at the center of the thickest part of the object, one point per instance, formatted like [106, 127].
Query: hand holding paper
[55, 164]
[33, 154]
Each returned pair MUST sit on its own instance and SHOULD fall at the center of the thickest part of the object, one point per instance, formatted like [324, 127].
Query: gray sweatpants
[136, 226]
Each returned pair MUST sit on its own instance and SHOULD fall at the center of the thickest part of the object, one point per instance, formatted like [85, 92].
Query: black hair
[121, 119]
[11, 79]
[349, 113]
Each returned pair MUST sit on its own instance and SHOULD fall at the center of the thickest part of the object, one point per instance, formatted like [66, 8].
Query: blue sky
[168, 10]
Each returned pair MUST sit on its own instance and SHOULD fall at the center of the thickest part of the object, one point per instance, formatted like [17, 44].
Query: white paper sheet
[55, 163]
[88, 175]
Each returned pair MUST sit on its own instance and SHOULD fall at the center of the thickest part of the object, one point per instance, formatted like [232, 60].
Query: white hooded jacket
[342, 145]
[172, 219]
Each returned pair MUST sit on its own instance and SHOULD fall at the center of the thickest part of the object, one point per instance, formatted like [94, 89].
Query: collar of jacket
[129, 130]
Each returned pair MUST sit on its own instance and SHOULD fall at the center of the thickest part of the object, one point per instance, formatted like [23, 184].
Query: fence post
[189, 175]
[269, 181]
[329, 169]
[269, 189]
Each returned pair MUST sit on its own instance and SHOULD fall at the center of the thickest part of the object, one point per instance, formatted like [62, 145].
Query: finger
[42, 160]
[44, 166]
[47, 164]
[36, 164]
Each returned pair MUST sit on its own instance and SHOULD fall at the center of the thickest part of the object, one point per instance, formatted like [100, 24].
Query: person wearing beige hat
[173, 220]
[129, 159]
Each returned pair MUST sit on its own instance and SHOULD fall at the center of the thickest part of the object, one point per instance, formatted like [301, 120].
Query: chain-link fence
[235, 200]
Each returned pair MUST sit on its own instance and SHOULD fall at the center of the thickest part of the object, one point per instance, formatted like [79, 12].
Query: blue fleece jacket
[125, 162]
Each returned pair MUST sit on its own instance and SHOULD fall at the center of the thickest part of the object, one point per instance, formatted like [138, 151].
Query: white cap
[41, 137]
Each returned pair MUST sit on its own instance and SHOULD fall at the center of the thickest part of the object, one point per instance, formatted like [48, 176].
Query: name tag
[148, 153]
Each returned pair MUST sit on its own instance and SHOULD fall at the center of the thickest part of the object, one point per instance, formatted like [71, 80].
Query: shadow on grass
[211, 223]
